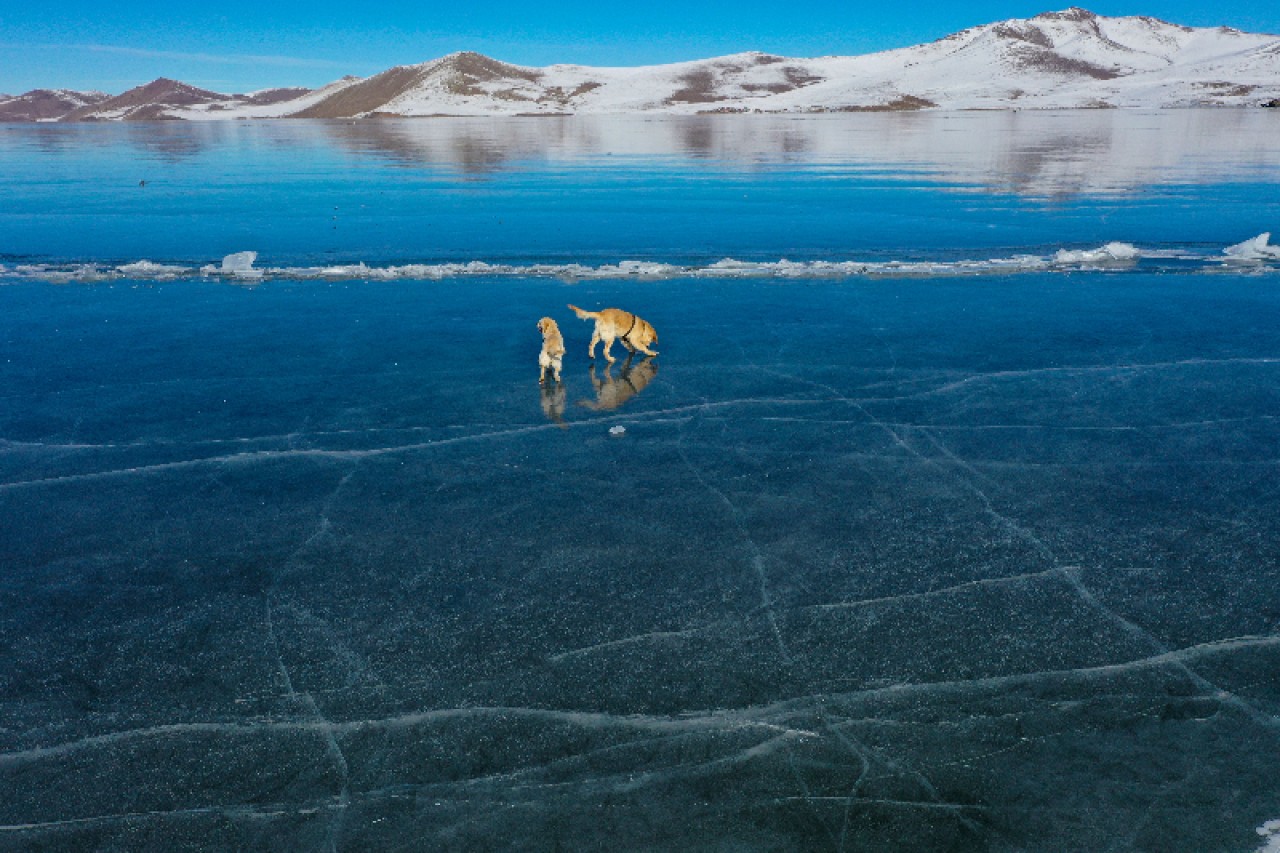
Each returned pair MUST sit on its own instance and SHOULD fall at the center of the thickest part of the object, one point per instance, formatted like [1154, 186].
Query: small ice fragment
[616, 431]
[148, 269]
[238, 265]
[1110, 253]
[1257, 249]
[1270, 832]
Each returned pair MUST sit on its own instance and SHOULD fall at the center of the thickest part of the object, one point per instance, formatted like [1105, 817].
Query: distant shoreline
[652, 114]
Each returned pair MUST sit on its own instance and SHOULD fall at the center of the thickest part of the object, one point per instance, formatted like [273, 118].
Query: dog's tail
[584, 315]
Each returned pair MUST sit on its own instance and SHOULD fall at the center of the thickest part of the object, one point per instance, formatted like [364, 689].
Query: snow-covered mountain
[1056, 60]
[169, 99]
[46, 104]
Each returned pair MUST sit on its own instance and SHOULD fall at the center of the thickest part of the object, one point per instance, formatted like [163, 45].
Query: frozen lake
[903, 187]
[958, 557]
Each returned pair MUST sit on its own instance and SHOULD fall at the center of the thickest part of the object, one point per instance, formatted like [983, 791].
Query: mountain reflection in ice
[1033, 153]
[666, 189]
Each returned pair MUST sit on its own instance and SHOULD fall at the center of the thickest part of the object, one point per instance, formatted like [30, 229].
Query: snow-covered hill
[1056, 60]
[46, 104]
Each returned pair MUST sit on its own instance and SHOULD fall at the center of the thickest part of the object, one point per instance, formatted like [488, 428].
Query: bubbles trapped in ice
[617, 431]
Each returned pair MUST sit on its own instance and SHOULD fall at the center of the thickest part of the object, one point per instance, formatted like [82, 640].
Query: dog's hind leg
[608, 345]
[595, 339]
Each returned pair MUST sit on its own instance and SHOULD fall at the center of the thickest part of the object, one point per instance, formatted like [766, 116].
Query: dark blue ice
[879, 565]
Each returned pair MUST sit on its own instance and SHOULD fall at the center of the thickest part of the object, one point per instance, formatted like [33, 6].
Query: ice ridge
[240, 267]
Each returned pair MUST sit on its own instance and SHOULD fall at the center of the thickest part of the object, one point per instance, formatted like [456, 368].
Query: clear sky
[242, 45]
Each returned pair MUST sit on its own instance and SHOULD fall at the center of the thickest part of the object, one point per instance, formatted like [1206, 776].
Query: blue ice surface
[979, 564]
[695, 189]
[973, 562]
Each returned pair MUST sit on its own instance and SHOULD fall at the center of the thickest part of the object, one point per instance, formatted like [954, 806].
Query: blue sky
[243, 45]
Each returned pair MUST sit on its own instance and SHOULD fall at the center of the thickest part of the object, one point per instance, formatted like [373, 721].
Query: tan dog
[616, 324]
[552, 349]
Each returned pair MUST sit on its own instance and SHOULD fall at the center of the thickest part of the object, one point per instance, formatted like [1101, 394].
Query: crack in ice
[375, 452]
[322, 725]
[1134, 630]
[756, 555]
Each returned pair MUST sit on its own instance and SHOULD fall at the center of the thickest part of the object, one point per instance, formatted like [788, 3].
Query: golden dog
[552, 349]
[615, 324]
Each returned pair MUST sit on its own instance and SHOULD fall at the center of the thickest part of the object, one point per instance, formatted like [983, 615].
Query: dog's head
[650, 333]
[546, 325]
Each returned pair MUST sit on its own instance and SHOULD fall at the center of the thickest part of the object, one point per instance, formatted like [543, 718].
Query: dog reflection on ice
[612, 392]
[553, 403]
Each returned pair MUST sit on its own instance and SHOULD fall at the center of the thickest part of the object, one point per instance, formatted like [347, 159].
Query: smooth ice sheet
[889, 565]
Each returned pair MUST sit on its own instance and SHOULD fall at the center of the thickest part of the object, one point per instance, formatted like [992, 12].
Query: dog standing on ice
[552, 349]
[615, 324]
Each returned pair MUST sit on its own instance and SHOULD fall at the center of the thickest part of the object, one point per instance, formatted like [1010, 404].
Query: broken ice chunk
[1257, 249]
[236, 265]
[1108, 254]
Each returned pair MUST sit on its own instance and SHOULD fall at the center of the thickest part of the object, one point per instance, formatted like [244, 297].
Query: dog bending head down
[615, 324]
[552, 349]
